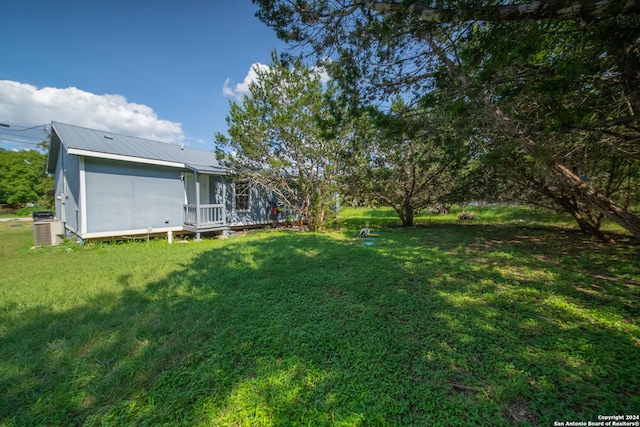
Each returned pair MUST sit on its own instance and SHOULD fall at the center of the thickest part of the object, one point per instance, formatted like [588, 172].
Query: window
[241, 197]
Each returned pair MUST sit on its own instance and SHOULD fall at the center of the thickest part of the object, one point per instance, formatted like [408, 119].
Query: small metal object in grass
[369, 237]
[366, 232]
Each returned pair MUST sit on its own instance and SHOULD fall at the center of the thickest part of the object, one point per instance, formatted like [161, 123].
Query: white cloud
[226, 90]
[242, 89]
[321, 70]
[29, 105]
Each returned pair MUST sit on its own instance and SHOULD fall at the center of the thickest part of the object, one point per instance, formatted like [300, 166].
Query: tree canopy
[532, 72]
[23, 178]
[282, 137]
[409, 159]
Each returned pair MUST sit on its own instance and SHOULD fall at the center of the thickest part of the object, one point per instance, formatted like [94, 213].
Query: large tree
[573, 87]
[399, 46]
[283, 137]
[409, 159]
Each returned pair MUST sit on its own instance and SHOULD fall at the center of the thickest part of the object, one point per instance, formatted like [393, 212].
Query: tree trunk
[584, 191]
[588, 194]
[407, 220]
[584, 224]
[597, 200]
[405, 214]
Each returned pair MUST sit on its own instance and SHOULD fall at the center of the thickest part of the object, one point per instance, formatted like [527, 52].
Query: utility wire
[10, 128]
[7, 134]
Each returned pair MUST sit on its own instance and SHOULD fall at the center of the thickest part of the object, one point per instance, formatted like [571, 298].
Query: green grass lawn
[487, 322]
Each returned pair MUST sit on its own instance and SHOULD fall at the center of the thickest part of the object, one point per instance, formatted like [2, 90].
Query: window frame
[244, 204]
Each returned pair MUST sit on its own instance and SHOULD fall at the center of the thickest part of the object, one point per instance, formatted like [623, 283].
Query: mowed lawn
[497, 321]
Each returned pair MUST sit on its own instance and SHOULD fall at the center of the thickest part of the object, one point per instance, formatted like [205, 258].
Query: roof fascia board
[53, 152]
[110, 156]
[207, 170]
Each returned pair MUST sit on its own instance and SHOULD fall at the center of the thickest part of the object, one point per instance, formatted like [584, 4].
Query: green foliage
[283, 137]
[565, 83]
[23, 178]
[448, 324]
[566, 89]
[408, 159]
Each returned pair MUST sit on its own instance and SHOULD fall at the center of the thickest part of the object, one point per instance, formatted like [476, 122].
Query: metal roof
[96, 143]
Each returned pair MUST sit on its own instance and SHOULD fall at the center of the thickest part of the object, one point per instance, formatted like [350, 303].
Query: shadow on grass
[439, 326]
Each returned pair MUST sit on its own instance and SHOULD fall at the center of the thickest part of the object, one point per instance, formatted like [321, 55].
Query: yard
[511, 319]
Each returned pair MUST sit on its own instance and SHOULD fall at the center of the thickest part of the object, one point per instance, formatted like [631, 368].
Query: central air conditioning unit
[49, 233]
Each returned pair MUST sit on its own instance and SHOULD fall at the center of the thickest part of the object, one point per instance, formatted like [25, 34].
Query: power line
[8, 134]
[10, 128]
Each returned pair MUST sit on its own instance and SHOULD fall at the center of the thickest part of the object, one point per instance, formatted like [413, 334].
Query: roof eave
[213, 170]
[54, 149]
[110, 156]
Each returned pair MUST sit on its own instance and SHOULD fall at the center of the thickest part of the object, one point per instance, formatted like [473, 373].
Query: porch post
[197, 202]
[223, 183]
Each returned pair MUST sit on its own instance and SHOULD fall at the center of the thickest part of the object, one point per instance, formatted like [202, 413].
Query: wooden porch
[200, 218]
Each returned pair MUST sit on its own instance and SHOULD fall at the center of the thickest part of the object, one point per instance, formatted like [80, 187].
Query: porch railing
[210, 215]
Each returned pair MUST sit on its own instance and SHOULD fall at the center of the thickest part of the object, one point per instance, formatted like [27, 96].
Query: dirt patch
[520, 411]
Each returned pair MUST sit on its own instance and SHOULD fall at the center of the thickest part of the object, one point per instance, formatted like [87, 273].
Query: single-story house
[110, 185]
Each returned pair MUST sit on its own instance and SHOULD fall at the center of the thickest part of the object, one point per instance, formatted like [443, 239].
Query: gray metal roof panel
[98, 141]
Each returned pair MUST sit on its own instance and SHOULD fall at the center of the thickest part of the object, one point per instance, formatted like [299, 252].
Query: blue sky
[155, 69]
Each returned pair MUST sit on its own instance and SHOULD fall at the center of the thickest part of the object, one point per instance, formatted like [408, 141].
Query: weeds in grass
[446, 324]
